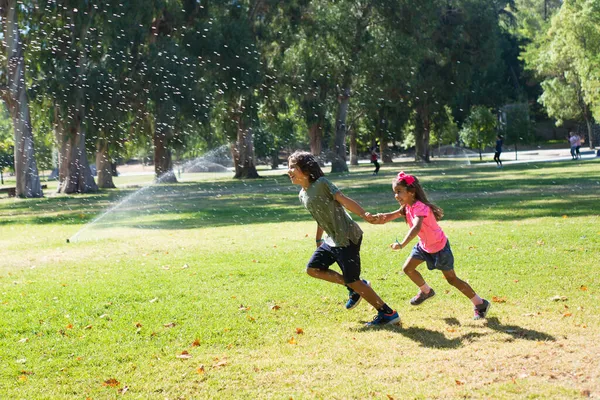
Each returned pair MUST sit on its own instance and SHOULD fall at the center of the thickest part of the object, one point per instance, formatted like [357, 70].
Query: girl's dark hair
[307, 164]
[420, 195]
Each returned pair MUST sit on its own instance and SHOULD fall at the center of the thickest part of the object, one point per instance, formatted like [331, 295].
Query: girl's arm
[411, 234]
[350, 204]
[382, 218]
[319, 235]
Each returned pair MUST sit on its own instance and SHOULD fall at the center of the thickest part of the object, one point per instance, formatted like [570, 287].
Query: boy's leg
[367, 293]
[319, 263]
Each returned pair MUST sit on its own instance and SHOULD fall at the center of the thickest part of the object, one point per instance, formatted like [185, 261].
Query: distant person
[499, 141]
[328, 205]
[433, 246]
[374, 158]
[573, 139]
[578, 146]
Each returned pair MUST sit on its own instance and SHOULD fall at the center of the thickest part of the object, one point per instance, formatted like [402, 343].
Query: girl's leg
[463, 286]
[410, 269]
[326, 274]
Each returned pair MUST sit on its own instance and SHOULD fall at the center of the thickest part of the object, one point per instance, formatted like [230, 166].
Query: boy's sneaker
[482, 310]
[384, 319]
[421, 297]
[353, 297]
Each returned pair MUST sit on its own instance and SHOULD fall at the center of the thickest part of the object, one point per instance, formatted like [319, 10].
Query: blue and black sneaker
[384, 319]
[353, 297]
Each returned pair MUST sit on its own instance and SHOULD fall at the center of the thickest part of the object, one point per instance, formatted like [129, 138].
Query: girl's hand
[396, 246]
[370, 218]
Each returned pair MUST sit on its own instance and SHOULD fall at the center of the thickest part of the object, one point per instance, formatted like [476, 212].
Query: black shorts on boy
[347, 257]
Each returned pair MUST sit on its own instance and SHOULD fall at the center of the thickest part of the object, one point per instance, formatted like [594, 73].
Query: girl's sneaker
[354, 298]
[482, 310]
[384, 319]
[421, 297]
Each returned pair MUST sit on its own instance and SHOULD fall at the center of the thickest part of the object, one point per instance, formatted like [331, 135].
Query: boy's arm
[319, 235]
[349, 204]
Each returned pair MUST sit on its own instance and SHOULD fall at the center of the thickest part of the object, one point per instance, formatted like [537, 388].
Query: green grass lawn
[198, 290]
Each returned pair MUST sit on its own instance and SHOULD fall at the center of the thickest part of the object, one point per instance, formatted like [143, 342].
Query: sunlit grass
[216, 269]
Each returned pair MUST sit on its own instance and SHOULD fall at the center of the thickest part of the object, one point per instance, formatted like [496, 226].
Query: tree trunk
[382, 124]
[243, 148]
[338, 164]
[26, 171]
[353, 148]
[103, 165]
[315, 135]
[588, 122]
[422, 126]
[163, 161]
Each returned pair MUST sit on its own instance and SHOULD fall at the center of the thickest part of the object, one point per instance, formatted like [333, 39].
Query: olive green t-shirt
[330, 215]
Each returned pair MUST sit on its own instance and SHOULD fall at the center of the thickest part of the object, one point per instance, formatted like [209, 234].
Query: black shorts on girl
[442, 260]
[347, 257]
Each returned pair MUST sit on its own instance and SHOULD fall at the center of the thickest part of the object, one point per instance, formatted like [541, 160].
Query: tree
[14, 93]
[479, 129]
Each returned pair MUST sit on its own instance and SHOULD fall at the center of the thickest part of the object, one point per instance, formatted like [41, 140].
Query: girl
[433, 246]
[342, 245]
[499, 140]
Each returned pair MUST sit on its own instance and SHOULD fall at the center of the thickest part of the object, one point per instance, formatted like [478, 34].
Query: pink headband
[408, 179]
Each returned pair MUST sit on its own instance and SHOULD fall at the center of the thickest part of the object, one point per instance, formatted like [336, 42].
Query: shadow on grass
[518, 332]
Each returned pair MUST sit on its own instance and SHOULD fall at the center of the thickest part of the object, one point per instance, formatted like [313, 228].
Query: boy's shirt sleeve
[330, 188]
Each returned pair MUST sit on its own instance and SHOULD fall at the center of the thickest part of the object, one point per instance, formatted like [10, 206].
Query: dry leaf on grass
[112, 382]
[459, 382]
[244, 308]
[124, 390]
[196, 343]
[496, 299]
[292, 340]
[184, 355]
[299, 331]
[583, 288]
[170, 325]
[275, 307]
[559, 298]
[200, 370]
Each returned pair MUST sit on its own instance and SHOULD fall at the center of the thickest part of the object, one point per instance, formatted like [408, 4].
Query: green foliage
[516, 125]
[479, 129]
[7, 141]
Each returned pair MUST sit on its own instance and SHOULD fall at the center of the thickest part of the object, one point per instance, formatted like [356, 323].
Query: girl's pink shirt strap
[431, 236]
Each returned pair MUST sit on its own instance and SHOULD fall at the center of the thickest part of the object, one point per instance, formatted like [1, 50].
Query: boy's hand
[396, 246]
[370, 218]
[380, 219]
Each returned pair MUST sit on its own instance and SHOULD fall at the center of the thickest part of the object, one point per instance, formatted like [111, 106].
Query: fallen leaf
[185, 266]
[567, 314]
[275, 307]
[184, 355]
[459, 382]
[389, 397]
[138, 324]
[200, 370]
[299, 331]
[540, 242]
[451, 329]
[170, 325]
[221, 363]
[24, 340]
[583, 288]
[498, 299]
[196, 343]
[244, 308]
[559, 298]
[69, 326]
[22, 378]
[250, 318]
[124, 390]
[112, 382]
[292, 340]
[88, 327]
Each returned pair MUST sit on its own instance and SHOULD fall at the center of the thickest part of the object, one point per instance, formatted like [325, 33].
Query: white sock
[425, 288]
[477, 300]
